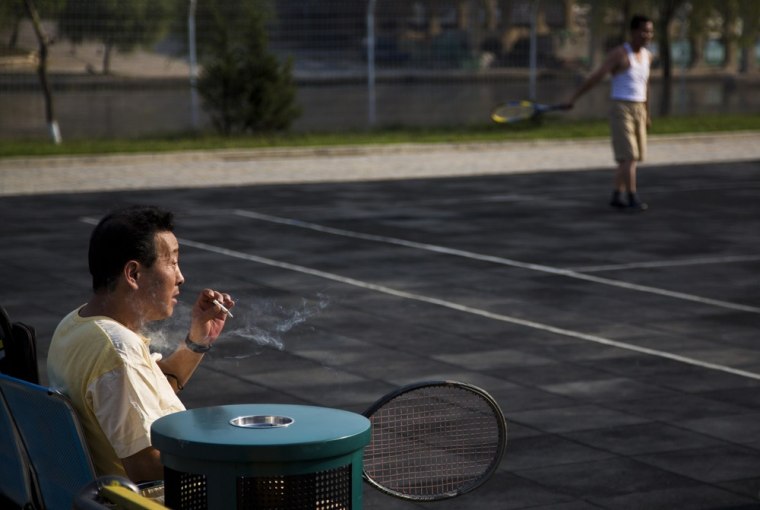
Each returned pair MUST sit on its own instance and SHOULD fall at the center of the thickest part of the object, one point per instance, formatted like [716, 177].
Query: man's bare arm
[612, 64]
[144, 465]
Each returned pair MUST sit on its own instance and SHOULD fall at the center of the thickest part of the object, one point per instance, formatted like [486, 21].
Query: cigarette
[224, 308]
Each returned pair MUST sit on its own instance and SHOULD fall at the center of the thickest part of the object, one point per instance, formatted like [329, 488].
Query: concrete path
[277, 166]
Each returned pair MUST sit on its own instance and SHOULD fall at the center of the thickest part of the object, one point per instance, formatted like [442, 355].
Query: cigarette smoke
[263, 322]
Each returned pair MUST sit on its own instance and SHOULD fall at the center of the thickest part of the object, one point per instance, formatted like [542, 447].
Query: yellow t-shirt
[114, 383]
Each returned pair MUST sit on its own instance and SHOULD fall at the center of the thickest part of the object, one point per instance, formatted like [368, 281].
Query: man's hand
[208, 318]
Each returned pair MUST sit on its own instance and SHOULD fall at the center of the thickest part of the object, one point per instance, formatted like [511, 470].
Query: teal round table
[262, 456]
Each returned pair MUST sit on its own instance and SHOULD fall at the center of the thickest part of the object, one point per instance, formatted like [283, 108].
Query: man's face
[159, 284]
[644, 34]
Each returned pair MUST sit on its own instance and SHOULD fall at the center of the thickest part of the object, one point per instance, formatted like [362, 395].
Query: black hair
[123, 235]
[639, 21]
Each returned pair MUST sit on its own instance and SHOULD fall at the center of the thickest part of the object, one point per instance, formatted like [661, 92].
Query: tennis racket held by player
[515, 111]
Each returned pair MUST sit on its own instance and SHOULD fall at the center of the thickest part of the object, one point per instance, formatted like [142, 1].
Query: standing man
[629, 65]
[99, 356]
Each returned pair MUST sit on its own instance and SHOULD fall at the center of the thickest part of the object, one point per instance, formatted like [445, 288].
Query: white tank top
[631, 83]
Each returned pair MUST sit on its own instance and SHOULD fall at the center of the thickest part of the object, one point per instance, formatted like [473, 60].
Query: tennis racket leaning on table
[434, 440]
[516, 111]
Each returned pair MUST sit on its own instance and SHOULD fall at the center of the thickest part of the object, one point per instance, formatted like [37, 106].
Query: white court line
[670, 263]
[548, 193]
[500, 260]
[466, 309]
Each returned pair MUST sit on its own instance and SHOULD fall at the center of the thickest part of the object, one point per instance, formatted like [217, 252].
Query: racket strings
[433, 441]
[513, 111]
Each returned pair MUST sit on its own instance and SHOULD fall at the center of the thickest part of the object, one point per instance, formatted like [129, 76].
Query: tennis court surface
[622, 348]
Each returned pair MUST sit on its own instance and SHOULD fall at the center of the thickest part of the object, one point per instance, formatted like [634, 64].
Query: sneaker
[617, 201]
[635, 203]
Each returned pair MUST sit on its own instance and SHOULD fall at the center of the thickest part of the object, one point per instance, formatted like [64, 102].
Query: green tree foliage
[244, 87]
[118, 24]
[13, 11]
[729, 14]
[736, 21]
[700, 14]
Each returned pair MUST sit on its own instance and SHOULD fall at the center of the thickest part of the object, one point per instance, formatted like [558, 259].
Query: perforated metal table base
[262, 456]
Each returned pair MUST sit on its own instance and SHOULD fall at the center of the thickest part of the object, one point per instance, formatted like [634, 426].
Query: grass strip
[552, 127]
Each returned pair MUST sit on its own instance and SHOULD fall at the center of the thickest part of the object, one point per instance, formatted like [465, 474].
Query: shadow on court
[621, 347]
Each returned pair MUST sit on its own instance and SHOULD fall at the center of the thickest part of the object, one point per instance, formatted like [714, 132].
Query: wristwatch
[199, 348]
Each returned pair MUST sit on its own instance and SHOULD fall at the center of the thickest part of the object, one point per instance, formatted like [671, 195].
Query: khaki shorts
[628, 125]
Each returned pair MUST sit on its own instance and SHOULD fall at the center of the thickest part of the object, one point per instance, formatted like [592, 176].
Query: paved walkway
[20, 176]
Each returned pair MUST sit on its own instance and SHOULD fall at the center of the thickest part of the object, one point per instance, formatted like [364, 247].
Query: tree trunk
[667, 13]
[107, 47]
[667, 73]
[697, 43]
[13, 39]
[598, 35]
[749, 61]
[625, 9]
[43, 40]
[730, 15]
[492, 21]
[434, 22]
[731, 59]
[463, 14]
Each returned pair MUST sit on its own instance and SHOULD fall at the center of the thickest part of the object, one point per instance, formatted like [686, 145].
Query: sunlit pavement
[622, 347]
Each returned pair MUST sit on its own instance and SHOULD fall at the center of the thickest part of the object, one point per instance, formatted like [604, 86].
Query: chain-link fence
[356, 64]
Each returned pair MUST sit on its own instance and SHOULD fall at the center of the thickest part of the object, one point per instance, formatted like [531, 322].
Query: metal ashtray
[261, 422]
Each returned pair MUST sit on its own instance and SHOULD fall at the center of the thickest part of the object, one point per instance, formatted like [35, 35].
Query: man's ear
[131, 273]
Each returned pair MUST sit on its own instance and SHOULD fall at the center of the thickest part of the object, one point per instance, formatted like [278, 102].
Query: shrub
[244, 87]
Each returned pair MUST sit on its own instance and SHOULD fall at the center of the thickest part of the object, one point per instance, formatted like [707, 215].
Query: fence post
[193, 60]
[533, 50]
[371, 107]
